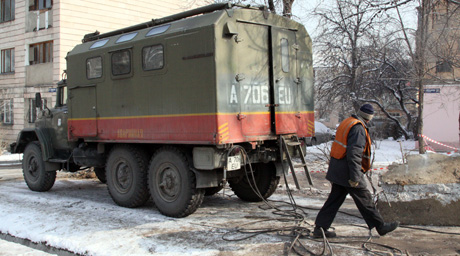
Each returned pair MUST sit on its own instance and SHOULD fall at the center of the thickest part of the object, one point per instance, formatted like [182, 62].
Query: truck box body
[174, 109]
[225, 77]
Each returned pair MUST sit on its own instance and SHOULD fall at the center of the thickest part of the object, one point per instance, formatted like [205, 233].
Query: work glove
[353, 184]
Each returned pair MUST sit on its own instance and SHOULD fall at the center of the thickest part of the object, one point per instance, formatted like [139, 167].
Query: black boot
[387, 228]
[317, 233]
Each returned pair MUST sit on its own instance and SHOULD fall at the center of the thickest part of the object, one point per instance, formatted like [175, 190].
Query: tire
[33, 168]
[265, 179]
[100, 174]
[126, 172]
[212, 191]
[313, 141]
[172, 183]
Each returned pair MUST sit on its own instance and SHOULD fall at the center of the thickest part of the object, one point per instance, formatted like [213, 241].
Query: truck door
[285, 80]
[253, 79]
[82, 101]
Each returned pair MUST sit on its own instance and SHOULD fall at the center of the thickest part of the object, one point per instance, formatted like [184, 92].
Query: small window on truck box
[121, 62]
[152, 57]
[99, 43]
[285, 54]
[94, 67]
[126, 38]
[157, 30]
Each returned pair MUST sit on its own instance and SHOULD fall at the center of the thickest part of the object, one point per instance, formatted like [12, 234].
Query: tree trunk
[287, 8]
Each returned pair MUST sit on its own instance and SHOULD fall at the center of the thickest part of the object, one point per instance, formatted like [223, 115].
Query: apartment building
[35, 36]
[441, 115]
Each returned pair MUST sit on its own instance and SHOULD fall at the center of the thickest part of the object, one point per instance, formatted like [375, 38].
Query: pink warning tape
[378, 169]
[436, 142]
[323, 171]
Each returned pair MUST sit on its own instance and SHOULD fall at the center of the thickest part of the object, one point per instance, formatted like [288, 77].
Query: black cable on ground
[296, 213]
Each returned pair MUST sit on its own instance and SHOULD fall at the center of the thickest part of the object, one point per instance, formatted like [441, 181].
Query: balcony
[39, 74]
[38, 20]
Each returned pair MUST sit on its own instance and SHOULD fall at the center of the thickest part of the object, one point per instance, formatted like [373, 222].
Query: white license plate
[233, 163]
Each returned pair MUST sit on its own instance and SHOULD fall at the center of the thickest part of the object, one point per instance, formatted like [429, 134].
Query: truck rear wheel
[265, 180]
[33, 168]
[172, 183]
[100, 174]
[127, 176]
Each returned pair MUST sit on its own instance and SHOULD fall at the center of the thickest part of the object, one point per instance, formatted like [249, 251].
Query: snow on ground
[8, 157]
[80, 216]
[386, 151]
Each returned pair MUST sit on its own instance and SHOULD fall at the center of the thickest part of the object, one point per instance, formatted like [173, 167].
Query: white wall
[441, 115]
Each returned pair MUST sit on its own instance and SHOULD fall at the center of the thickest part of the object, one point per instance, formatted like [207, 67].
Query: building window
[443, 66]
[35, 5]
[121, 62]
[94, 68]
[7, 111]
[6, 10]
[33, 110]
[152, 57]
[7, 61]
[41, 53]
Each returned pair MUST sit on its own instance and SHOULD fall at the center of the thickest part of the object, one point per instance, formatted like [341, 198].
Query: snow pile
[425, 191]
[444, 193]
[425, 169]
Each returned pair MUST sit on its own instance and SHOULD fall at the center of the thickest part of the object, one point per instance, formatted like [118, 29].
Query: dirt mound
[424, 169]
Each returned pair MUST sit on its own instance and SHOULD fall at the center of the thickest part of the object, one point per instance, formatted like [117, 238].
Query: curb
[10, 163]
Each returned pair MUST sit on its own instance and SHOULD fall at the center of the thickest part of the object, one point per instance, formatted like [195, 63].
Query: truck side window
[121, 62]
[285, 54]
[94, 67]
[152, 57]
[62, 96]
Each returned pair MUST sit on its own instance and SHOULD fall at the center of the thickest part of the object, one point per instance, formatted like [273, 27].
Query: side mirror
[38, 100]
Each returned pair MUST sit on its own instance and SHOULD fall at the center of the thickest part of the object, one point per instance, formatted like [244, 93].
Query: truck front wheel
[172, 183]
[264, 179]
[33, 168]
[127, 176]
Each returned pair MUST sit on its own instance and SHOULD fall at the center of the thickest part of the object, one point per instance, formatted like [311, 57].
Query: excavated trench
[424, 191]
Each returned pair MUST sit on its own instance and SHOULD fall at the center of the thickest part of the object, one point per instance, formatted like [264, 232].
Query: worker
[350, 159]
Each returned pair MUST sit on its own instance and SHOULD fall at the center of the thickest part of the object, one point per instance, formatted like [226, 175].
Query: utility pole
[421, 42]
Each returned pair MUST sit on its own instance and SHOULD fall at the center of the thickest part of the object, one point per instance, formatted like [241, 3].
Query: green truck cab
[174, 108]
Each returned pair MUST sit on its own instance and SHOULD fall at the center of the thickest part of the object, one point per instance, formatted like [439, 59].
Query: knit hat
[366, 111]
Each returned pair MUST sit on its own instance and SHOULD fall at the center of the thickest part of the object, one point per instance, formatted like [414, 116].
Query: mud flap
[206, 178]
[280, 167]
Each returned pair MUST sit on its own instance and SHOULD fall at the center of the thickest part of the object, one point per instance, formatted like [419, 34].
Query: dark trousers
[363, 200]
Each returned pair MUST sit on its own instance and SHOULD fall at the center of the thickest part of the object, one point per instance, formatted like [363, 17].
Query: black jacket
[349, 167]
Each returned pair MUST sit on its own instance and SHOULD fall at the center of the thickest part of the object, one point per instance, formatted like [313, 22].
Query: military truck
[174, 108]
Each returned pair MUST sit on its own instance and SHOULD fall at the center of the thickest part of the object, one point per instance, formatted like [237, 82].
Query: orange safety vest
[339, 146]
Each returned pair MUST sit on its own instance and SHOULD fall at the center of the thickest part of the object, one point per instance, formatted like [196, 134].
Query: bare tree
[368, 53]
[361, 60]
[437, 51]
[283, 7]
